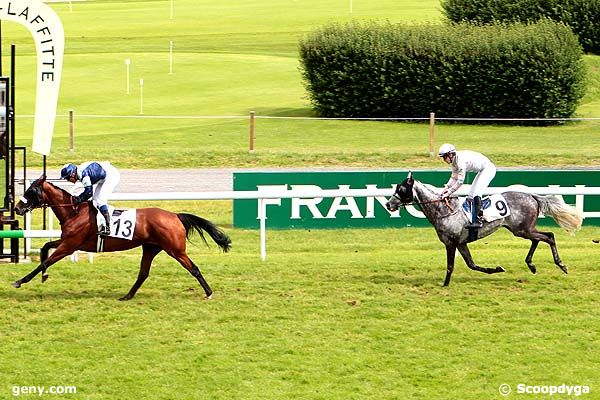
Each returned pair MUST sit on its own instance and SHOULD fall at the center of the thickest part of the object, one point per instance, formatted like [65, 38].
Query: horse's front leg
[450, 256]
[29, 276]
[61, 251]
[466, 255]
[44, 255]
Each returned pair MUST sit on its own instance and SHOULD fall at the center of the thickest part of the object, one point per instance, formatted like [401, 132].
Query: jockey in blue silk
[101, 175]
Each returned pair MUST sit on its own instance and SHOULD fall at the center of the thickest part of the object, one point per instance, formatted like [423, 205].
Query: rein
[445, 200]
[71, 204]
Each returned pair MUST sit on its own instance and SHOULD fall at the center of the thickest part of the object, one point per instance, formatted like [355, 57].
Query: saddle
[122, 222]
[493, 207]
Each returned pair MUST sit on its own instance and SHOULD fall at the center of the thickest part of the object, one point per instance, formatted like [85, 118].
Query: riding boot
[476, 219]
[105, 230]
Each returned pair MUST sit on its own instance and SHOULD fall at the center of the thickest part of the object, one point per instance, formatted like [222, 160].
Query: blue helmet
[68, 170]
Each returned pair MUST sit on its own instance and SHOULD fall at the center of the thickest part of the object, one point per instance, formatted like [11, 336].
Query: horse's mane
[431, 188]
[64, 192]
[431, 191]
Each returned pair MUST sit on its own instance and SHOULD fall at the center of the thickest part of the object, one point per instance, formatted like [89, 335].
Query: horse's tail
[567, 217]
[192, 222]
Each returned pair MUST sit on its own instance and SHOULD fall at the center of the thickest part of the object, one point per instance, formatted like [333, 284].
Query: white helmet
[445, 149]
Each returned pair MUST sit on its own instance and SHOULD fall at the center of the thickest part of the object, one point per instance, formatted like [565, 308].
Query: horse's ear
[409, 178]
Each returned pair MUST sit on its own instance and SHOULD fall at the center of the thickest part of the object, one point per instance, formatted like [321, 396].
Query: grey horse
[449, 222]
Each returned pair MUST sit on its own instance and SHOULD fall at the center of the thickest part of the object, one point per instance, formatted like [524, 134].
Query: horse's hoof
[564, 268]
[45, 277]
[532, 268]
[125, 298]
[209, 297]
[500, 269]
[16, 284]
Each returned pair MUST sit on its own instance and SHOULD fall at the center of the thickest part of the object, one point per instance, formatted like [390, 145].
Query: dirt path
[178, 180]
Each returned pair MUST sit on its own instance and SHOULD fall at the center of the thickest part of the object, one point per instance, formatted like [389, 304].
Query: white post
[72, 130]
[263, 228]
[141, 96]
[171, 10]
[170, 57]
[127, 64]
[351, 7]
[50, 219]
[579, 199]
[28, 227]
[431, 135]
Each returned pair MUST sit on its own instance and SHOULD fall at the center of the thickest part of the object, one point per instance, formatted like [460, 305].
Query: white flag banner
[49, 36]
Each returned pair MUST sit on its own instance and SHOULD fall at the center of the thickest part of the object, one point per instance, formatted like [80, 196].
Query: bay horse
[155, 230]
[449, 221]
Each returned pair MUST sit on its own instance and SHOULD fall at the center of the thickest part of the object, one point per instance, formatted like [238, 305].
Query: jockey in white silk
[464, 161]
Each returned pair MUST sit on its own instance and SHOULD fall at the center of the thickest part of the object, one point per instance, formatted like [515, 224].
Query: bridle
[419, 203]
[30, 206]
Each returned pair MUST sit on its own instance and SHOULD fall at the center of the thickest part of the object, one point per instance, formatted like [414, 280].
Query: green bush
[582, 16]
[458, 70]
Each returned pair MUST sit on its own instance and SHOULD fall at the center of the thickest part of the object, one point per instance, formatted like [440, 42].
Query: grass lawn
[360, 316]
[346, 314]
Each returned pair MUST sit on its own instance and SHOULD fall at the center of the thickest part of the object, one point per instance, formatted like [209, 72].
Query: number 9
[501, 207]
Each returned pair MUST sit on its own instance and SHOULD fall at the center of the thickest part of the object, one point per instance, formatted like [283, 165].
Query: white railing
[282, 192]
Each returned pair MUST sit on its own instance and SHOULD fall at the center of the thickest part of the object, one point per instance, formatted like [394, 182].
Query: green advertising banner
[370, 212]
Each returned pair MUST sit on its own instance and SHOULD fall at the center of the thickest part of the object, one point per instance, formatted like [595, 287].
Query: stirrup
[477, 224]
[103, 231]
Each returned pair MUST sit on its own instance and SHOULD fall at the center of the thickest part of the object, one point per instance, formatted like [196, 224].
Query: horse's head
[402, 195]
[32, 198]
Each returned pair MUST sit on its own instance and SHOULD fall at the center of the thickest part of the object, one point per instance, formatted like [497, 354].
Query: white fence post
[263, 228]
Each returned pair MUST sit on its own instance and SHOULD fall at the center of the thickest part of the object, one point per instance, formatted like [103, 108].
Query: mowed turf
[330, 315]
[347, 314]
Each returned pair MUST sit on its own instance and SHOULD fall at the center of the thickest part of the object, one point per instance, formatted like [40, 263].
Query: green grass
[361, 316]
[330, 315]
[349, 314]
[234, 57]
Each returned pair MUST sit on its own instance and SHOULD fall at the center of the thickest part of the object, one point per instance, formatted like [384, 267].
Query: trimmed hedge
[582, 16]
[459, 70]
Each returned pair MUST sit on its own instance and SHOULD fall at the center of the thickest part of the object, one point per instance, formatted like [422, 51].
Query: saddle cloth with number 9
[122, 222]
[494, 207]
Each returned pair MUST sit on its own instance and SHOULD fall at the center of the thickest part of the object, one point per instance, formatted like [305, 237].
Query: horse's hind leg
[188, 264]
[198, 275]
[466, 255]
[550, 240]
[546, 237]
[149, 252]
[529, 258]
